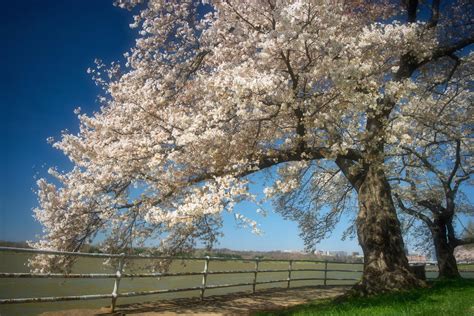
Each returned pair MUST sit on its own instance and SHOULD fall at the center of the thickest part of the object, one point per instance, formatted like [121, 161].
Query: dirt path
[231, 304]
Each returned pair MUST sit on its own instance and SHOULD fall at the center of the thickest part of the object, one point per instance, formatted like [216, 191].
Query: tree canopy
[214, 91]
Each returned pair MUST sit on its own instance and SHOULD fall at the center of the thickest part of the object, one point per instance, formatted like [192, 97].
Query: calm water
[15, 288]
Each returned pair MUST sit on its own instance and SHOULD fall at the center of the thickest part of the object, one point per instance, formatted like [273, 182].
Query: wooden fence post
[325, 272]
[290, 266]
[255, 275]
[204, 277]
[118, 276]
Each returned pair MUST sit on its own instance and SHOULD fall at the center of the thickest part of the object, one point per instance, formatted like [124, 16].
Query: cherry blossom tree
[214, 91]
[429, 188]
[436, 200]
[432, 172]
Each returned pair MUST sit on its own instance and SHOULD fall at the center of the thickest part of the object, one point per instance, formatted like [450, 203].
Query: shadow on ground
[229, 304]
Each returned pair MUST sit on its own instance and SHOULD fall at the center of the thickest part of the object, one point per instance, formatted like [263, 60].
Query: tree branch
[464, 241]
[460, 180]
[451, 49]
[411, 6]
[435, 208]
[427, 164]
[457, 162]
[349, 168]
[412, 212]
[434, 14]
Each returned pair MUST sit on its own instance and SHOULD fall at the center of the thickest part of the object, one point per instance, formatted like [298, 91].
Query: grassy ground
[443, 298]
[466, 267]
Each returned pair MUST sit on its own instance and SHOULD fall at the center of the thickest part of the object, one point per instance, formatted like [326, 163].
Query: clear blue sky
[46, 48]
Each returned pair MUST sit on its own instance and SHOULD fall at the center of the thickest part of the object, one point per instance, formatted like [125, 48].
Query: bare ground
[230, 304]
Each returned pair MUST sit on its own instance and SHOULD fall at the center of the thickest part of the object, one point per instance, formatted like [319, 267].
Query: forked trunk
[386, 266]
[447, 265]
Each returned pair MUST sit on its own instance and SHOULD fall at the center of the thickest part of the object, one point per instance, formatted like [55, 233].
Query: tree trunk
[447, 265]
[386, 266]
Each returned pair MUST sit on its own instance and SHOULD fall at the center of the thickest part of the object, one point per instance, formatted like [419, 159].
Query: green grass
[466, 267]
[447, 297]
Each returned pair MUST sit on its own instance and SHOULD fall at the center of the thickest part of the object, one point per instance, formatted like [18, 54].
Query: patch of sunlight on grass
[445, 297]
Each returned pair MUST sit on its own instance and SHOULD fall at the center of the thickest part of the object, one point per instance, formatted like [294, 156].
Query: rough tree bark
[442, 231]
[378, 228]
[447, 265]
[386, 266]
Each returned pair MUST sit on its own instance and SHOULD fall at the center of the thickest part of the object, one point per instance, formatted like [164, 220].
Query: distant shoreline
[17, 244]
[221, 252]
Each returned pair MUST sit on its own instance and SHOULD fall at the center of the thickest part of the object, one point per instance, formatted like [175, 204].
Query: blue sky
[46, 48]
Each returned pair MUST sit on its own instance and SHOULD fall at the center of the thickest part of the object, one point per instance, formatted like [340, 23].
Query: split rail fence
[204, 273]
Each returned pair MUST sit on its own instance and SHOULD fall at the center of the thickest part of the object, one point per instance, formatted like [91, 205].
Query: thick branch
[409, 63]
[263, 163]
[434, 14]
[434, 207]
[451, 234]
[451, 49]
[293, 76]
[411, 6]
[412, 212]
[457, 162]
[351, 172]
[464, 241]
